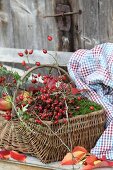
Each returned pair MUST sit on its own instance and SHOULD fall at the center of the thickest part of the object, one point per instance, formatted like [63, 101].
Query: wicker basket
[41, 142]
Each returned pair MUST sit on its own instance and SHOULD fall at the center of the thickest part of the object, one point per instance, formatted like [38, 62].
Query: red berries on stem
[79, 97]
[44, 51]
[21, 54]
[23, 63]
[21, 97]
[49, 38]
[7, 116]
[33, 81]
[37, 63]
[38, 121]
[91, 107]
[31, 52]
[26, 51]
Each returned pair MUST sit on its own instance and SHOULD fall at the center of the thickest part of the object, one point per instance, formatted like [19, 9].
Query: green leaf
[24, 109]
[20, 82]
[19, 112]
[26, 116]
[16, 76]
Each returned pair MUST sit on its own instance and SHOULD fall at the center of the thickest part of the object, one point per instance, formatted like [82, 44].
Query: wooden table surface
[13, 166]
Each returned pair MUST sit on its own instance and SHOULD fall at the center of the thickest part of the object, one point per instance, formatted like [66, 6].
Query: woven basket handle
[29, 71]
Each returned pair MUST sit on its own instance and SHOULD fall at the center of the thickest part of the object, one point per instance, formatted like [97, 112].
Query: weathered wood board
[54, 166]
[23, 26]
[14, 166]
[96, 22]
[11, 55]
[26, 24]
[35, 164]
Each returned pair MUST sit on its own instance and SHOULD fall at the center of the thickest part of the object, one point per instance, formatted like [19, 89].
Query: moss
[84, 107]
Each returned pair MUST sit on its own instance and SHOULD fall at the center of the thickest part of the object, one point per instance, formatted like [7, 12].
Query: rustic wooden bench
[9, 57]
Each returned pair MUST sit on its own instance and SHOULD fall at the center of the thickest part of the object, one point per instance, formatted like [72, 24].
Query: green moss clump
[83, 106]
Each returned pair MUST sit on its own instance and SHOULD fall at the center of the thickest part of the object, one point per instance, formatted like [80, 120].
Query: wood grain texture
[23, 25]
[13, 166]
[90, 30]
[96, 22]
[30, 29]
[6, 35]
[11, 55]
[76, 26]
[105, 20]
[35, 164]
[53, 166]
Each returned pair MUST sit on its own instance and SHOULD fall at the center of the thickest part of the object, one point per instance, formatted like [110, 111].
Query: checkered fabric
[93, 70]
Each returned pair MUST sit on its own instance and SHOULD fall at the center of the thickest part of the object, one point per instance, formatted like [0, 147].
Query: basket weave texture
[41, 142]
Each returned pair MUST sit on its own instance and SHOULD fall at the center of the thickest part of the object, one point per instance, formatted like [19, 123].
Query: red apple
[5, 103]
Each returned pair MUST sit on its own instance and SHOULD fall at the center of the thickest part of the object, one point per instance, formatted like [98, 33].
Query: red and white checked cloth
[93, 70]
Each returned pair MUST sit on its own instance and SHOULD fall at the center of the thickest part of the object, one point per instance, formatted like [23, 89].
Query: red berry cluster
[22, 100]
[7, 115]
[2, 79]
[48, 101]
[7, 79]
[50, 38]
[26, 54]
[29, 52]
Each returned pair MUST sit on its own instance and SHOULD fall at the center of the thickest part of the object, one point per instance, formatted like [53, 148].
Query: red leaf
[4, 154]
[102, 164]
[103, 158]
[73, 158]
[74, 90]
[70, 162]
[106, 163]
[110, 163]
[51, 83]
[88, 167]
[79, 148]
[91, 159]
[17, 156]
[99, 165]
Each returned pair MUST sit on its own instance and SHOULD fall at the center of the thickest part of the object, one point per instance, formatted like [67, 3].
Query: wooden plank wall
[22, 24]
[96, 22]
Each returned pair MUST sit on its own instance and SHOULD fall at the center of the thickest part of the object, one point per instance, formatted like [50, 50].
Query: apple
[5, 103]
